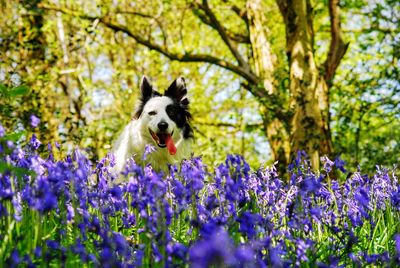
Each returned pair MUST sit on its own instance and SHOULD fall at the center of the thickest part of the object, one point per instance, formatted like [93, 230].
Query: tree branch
[241, 12]
[228, 125]
[240, 38]
[337, 47]
[186, 57]
[221, 31]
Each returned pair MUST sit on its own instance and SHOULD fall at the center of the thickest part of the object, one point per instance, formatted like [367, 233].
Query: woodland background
[265, 78]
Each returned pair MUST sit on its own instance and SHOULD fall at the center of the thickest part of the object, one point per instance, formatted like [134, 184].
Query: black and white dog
[161, 121]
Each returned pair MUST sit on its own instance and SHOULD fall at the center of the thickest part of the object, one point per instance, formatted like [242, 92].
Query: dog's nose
[162, 126]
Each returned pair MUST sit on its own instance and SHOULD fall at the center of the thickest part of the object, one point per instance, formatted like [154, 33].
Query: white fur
[136, 135]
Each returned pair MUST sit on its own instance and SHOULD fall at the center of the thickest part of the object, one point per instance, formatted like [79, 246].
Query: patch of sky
[102, 98]
[102, 70]
[2, 74]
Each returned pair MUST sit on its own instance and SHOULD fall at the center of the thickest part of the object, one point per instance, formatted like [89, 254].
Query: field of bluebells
[71, 212]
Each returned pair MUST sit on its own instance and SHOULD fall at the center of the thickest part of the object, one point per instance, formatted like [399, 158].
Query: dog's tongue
[170, 144]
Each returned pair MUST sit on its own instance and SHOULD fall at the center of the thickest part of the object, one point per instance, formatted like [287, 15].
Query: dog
[160, 124]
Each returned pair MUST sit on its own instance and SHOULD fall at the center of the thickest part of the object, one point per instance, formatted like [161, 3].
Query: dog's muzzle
[163, 140]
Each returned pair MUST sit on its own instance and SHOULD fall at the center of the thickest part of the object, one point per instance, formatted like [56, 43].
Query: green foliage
[365, 99]
[81, 78]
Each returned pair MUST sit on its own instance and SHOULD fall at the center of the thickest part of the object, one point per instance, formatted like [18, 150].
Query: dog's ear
[177, 90]
[146, 89]
[146, 93]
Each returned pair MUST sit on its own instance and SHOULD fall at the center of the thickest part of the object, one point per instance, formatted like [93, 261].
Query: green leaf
[18, 91]
[3, 88]
[18, 171]
[14, 136]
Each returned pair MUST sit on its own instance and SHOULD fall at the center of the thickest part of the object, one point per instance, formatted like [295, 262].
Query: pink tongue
[170, 145]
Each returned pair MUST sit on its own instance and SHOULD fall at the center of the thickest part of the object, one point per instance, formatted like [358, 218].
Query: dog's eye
[152, 113]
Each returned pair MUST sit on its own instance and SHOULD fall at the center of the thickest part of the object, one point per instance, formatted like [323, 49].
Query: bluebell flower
[340, 164]
[148, 150]
[310, 184]
[120, 243]
[38, 252]
[157, 256]
[57, 145]
[17, 203]
[245, 256]
[106, 257]
[35, 121]
[139, 258]
[52, 244]
[216, 250]
[10, 144]
[2, 131]
[47, 202]
[15, 258]
[116, 192]
[248, 223]
[302, 246]
[356, 260]
[275, 258]
[34, 142]
[178, 250]
[3, 211]
[395, 198]
[362, 196]
[70, 213]
[327, 163]
[397, 243]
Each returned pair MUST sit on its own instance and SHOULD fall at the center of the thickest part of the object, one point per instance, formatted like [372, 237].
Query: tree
[295, 118]
[256, 70]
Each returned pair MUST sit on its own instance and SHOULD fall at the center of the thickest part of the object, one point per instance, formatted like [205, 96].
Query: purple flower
[397, 243]
[3, 211]
[310, 184]
[362, 197]
[327, 163]
[15, 258]
[46, 202]
[275, 258]
[10, 144]
[38, 252]
[245, 256]
[179, 250]
[34, 142]
[395, 198]
[34, 120]
[148, 150]
[70, 212]
[216, 250]
[57, 145]
[339, 163]
[139, 258]
[302, 246]
[16, 201]
[248, 222]
[52, 244]
[2, 131]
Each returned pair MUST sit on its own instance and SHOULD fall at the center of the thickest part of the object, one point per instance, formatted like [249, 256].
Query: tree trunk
[308, 88]
[264, 66]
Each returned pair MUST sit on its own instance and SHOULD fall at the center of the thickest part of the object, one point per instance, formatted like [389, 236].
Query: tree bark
[265, 66]
[309, 98]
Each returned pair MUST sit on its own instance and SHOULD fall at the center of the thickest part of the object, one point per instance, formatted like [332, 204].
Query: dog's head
[166, 116]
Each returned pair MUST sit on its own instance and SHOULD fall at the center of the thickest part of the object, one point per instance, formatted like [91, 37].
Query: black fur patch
[146, 93]
[179, 110]
[181, 116]
[142, 102]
